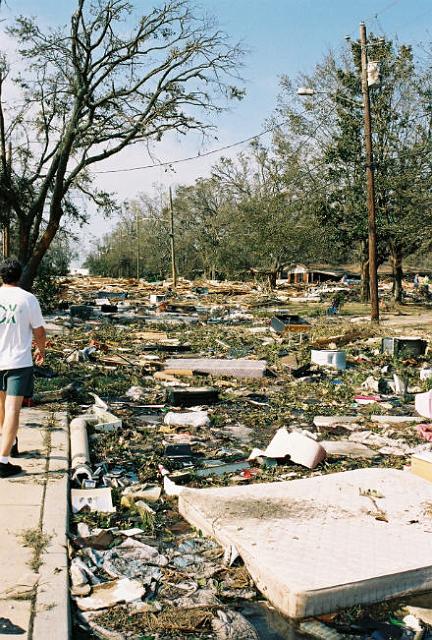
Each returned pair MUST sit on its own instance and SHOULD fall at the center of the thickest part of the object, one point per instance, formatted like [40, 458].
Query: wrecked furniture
[404, 346]
[287, 323]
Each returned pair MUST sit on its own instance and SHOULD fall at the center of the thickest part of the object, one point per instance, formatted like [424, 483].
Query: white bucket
[329, 358]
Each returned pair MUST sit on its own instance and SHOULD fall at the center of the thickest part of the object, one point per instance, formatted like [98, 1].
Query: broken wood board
[347, 449]
[320, 544]
[333, 421]
[383, 419]
[236, 368]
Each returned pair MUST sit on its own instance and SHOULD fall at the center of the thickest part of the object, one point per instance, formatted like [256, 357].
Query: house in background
[301, 274]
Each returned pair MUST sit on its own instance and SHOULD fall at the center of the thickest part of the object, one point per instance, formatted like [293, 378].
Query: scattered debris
[231, 625]
[185, 384]
[107, 595]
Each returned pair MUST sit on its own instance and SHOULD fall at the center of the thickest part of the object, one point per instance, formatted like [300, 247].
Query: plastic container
[329, 358]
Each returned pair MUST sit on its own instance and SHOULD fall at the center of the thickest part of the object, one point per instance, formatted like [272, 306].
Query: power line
[205, 154]
[219, 149]
[189, 158]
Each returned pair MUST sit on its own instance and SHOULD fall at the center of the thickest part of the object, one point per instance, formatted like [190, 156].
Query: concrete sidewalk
[33, 523]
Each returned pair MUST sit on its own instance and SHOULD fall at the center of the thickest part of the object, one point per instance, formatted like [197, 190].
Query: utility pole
[138, 257]
[173, 256]
[373, 270]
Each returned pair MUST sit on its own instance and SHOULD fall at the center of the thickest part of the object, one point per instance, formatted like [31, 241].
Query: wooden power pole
[138, 256]
[173, 254]
[373, 269]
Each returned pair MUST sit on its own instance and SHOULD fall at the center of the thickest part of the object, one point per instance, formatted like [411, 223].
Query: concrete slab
[34, 604]
[321, 544]
[347, 448]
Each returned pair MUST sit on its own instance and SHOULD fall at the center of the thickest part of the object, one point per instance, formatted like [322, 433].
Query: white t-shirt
[19, 314]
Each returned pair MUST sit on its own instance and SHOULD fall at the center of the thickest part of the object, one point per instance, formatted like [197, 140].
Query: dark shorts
[17, 382]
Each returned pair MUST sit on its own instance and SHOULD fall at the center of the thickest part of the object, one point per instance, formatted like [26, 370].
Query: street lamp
[306, 91]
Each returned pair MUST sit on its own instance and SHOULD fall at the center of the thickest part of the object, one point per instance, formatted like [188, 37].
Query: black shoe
[8, 470]
[14, 451]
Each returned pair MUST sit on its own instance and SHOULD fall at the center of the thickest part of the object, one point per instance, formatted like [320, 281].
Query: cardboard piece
[92, 499]
[299, 448]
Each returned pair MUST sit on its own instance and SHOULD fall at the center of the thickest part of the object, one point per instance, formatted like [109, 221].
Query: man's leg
[10, 424]
[2, 409]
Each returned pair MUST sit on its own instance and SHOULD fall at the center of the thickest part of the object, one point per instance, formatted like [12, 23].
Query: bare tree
[93, 89]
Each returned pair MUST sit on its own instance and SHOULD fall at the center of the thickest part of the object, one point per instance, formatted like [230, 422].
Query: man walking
[20, 320]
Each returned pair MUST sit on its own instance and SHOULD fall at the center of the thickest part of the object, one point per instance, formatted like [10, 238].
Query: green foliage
[55, 263]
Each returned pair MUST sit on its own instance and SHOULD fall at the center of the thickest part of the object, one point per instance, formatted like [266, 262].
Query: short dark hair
[10, 271]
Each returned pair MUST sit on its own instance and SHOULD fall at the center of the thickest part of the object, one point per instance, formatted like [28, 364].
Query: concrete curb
[51, 611]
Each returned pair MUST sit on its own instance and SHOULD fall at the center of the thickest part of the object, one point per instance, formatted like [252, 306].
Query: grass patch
[186, 621]
[37, 541]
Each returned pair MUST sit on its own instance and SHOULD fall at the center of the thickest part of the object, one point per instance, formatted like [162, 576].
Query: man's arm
[40, 338]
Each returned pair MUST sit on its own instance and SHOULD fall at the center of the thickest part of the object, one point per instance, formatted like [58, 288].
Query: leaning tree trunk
[365, 282]
[396, 258]
[33, 263]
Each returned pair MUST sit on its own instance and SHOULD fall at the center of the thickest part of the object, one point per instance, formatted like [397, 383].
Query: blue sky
[283, 37]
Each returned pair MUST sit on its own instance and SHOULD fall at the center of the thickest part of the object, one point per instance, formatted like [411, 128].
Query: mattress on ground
[317, 545]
